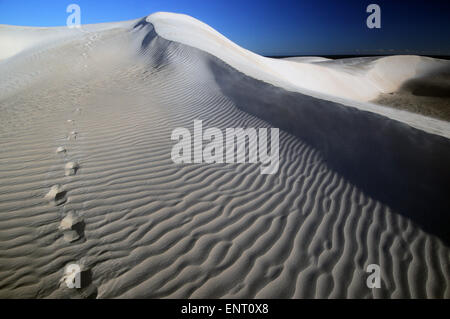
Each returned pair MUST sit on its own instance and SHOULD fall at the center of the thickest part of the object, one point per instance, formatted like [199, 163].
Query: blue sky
[295, 27]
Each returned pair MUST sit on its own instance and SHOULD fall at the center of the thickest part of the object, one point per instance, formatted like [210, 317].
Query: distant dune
[87, 178]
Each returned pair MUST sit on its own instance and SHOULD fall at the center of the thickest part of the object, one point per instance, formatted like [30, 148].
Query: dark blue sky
[296, 27]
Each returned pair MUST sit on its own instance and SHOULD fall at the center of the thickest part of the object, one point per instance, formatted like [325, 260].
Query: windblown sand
[142, 226]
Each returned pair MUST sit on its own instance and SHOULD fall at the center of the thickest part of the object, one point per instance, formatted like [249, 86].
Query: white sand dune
[343, 84]
[147, 227]
[306, 59]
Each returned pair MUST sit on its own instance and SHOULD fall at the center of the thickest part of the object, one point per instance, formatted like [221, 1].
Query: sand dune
[142, 226]
[306, 59]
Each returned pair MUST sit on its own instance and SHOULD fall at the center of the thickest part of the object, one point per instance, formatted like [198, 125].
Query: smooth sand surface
[141, 226]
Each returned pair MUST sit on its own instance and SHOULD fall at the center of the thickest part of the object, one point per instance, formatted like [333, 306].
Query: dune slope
[102, 103]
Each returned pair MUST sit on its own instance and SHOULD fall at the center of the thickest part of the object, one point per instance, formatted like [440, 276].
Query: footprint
[72, 227]
[78, 276]
[61, 149]
[56, 195]
[72, 135]
[71, 168]
[71, 276]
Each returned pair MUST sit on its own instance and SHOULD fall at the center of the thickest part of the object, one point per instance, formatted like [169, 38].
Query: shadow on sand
[403, 167]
